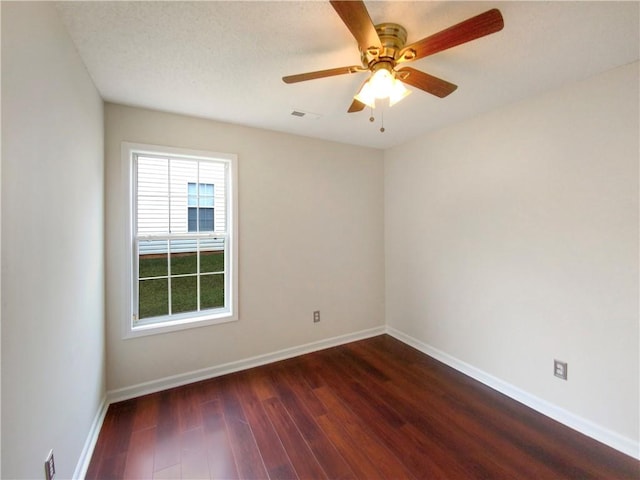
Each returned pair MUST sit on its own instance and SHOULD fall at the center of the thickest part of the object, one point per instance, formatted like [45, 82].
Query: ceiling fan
[383, 53]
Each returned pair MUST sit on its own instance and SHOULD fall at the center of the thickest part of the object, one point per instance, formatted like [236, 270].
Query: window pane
[153, 195]
[184, 173]
[212, 291]
[184, 294]
[183, 257]
[215, 174]
[183, 189]
[193, 196]
[193, 219]
[153, 298]
[153, 175]
[206, 201]
[212, 261]
[211, 173]
[206, 219]
[153, 265]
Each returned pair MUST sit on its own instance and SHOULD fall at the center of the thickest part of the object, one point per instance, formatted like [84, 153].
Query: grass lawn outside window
[155, 282]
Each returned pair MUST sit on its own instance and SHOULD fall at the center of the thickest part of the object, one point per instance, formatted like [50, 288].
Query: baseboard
[582, 425]
[90, 443]
[215, 371]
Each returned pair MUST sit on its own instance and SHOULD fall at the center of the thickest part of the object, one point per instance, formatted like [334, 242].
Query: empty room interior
[226, 254]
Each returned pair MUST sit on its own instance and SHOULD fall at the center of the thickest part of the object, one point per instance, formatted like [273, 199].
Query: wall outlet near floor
[316, 316]
[49, 467]
[560, 369]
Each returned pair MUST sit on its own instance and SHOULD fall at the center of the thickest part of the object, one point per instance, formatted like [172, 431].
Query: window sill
[178, 325]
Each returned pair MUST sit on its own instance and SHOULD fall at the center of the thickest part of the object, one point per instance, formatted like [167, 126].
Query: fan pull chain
[373, 119]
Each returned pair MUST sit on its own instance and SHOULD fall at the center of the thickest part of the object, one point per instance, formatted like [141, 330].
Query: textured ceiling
[225, 60]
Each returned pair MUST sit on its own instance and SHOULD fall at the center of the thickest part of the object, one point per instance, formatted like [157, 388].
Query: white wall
[512, 239]
[310, 238]
[53, 375]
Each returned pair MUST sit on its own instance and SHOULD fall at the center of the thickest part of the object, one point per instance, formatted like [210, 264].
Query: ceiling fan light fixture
[398, 92]
[366, 95]
[382, 84]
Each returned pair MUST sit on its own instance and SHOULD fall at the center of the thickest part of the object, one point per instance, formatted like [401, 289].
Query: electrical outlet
[316, 316]
[560, 369]
[49, 467]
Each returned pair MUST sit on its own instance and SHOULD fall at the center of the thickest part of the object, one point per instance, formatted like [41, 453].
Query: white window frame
[191, 319]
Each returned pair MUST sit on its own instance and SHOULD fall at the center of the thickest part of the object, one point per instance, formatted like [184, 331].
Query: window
[182, 238]
[200, 211]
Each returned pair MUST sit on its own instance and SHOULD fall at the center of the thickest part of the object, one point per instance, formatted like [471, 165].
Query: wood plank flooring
[373, 409]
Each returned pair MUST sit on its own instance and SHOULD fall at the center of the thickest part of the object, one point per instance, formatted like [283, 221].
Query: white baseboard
[582, 425]
[597, 432]
[90, 443]
[218, 370]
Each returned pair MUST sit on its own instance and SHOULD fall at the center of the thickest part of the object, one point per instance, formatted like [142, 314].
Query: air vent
[302, 114]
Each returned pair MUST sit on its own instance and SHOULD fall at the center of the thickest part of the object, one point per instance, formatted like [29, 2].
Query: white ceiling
[225, 60]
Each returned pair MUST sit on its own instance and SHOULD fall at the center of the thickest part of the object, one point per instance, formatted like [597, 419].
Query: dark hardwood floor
[373, 409]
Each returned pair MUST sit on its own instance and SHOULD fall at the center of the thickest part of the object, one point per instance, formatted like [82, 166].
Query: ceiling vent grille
[303, 114]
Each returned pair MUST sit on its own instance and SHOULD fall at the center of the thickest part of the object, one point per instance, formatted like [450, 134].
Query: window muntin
[181, 276]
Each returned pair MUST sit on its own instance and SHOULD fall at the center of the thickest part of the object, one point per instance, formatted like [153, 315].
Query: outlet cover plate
[49, 467]
[560, 369]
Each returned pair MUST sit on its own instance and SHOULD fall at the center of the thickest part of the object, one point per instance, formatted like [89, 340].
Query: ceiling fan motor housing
[392, 38]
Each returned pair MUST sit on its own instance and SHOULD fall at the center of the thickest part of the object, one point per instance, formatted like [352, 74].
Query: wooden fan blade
[356, 106]
[430, 84]
[484, 24]
[301, 77]
[356, 17]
